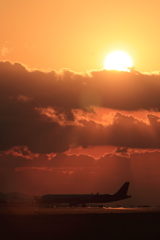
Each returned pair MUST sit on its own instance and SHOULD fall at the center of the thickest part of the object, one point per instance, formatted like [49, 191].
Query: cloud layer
[40, 110]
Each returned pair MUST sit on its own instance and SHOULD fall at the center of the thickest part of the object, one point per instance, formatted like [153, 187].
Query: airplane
[75, 199]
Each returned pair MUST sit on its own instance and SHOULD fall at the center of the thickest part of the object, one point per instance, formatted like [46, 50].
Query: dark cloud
[37, 109]
[67, 90]
[123, 152]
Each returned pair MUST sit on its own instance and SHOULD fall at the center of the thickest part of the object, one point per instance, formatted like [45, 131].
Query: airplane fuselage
[75, 199]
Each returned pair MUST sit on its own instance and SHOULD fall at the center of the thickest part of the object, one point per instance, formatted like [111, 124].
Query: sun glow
[119, 61]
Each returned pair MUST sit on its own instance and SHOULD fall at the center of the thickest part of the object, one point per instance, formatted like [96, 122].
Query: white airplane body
[75, 199]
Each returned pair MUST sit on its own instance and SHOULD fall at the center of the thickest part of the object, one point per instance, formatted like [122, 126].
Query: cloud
[39, 110]
[49, 137]
[66, 90]
[123, 152]
[21, 151]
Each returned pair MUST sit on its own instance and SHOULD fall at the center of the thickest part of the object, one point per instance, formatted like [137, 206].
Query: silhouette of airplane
[75, 199]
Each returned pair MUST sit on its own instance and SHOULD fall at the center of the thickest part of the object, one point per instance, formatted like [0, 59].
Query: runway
[37, 209]
[79, 223]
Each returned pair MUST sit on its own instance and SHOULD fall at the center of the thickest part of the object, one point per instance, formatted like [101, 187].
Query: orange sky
[79, 34]
[72, 130]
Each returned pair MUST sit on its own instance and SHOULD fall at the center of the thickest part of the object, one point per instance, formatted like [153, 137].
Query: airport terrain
[80, 223]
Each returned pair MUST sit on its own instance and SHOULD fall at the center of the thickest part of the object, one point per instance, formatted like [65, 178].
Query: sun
[118, 60]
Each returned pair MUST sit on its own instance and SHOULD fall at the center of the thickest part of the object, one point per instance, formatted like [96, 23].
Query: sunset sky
[67, 125]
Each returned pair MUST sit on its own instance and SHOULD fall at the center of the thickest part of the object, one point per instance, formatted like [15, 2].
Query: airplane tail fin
[123, 190]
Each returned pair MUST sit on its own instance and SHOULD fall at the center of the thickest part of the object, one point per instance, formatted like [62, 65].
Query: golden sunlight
[119, 61]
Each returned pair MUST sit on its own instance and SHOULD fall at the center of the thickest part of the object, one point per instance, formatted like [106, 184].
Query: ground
[79, 223]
